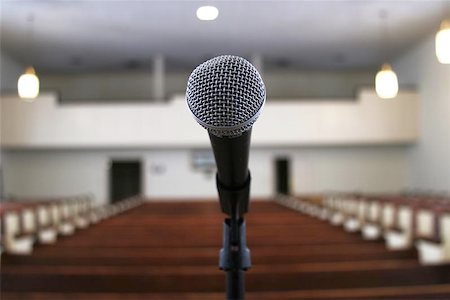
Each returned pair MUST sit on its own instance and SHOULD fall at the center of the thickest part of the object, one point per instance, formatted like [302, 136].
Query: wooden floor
[170, 251]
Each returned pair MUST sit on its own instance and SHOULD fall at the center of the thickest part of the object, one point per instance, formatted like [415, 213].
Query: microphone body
[226, 95]
[231, 155]
[233, 177]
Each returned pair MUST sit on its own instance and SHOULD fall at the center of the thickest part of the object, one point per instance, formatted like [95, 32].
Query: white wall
[49, 174]
[41, 141]
[378, 169]
[47, 124]
[10, 72]
[168, 172]
[430, 157]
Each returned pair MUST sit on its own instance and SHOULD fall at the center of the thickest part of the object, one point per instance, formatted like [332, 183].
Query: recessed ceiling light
[207, 13]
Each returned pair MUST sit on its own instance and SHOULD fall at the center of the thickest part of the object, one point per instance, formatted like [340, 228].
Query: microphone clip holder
[234, 256]
[234, 202]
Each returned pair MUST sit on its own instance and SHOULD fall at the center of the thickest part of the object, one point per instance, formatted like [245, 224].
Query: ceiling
[115, 35]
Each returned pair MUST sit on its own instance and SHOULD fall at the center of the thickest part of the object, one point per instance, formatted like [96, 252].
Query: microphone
[226, 95]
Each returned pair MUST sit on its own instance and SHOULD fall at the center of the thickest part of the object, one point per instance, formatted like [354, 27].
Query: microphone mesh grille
[226, 94]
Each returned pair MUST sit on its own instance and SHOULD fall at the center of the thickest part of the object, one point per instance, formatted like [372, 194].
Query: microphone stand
[234, 256]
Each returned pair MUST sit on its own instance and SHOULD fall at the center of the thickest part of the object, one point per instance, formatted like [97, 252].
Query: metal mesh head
[226, 95]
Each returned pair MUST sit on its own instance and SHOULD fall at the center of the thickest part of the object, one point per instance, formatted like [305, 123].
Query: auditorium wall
[46, 123]
[56, 150]
[168, 173]
[10, 70]
[429, 159]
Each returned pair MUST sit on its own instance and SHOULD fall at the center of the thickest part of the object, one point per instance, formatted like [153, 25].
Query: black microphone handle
[231, 155]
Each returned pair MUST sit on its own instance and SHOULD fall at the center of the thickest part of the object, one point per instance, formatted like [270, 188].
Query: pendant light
[443, 39]
[386, 81]
[443, 43]
[443, 36]
[28, 83]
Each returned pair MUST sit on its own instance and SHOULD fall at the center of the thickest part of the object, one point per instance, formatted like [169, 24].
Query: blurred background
[112, 79]
[93, 103]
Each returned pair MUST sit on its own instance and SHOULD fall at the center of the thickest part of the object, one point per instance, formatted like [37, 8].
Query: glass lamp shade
[28, 85]
[443, 43]
[386, 83]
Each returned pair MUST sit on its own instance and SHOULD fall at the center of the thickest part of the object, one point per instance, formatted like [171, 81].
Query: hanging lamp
[28, 83]
[386, 81]
[443, 43]
[442, 40]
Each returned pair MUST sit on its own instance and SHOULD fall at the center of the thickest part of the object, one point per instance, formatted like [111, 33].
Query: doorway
[282, 176]
[124, 179]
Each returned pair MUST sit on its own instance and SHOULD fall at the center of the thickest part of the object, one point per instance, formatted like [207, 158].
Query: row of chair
[169, 250]
[28, 222]
[402, 221]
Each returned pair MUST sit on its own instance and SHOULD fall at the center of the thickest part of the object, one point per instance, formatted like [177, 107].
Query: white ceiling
[99, 35]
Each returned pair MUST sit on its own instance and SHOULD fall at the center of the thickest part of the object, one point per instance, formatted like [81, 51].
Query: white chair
[62, 214]
[371, 229]
[432, 250]
[47, 233]
[79, 213]
[352, 222]
[336, 217]
[14, 241]
[401, 237]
